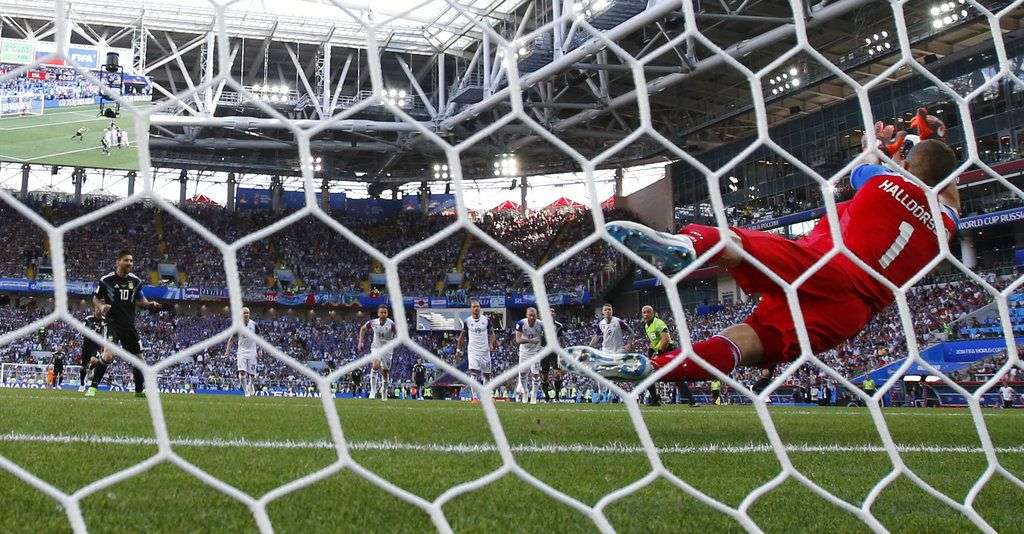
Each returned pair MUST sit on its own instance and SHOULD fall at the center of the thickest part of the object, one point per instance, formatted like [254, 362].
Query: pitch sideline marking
[462, 448]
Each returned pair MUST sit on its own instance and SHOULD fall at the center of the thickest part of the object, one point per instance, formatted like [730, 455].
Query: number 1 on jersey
[906, 230]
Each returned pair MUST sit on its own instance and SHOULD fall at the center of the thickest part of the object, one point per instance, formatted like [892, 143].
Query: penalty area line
[464, 448]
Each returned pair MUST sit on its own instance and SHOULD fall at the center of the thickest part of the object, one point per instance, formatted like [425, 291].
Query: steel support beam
[416, 87]
[262, 52]
[592, 45]
[655, 86]
[248, 123]
[140, 39]
[658, 69]
[757, 19]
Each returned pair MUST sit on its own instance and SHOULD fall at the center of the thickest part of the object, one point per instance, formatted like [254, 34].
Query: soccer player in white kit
[529, 333]
[611, 332]
[478, 328]
[384, 330]
[246, 353]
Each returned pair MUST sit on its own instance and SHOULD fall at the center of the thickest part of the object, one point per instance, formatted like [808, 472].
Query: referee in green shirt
[660, 341]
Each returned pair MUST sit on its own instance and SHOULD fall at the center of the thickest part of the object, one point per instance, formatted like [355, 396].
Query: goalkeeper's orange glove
[928, 126]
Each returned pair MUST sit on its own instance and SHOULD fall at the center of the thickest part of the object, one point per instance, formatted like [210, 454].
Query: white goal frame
[21, 104]
[512, 94]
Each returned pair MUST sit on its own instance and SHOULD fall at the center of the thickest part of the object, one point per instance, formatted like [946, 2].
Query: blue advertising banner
[373, 207]
[786, 220]
[323, 298]
[436, 204]
[293, 200]
[252, 199]
[969, 351]
[990, 219]
[83, 57]
[261, 199]
[947, 357]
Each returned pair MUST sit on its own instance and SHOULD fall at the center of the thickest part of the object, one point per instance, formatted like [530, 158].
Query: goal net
[21, 104]
[514, 64]
[35, 375]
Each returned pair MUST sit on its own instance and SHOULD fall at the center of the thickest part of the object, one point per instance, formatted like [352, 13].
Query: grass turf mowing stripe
[461, 448]
[409, 405]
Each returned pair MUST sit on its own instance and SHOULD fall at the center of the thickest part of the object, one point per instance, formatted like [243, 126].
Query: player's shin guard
[718, 351]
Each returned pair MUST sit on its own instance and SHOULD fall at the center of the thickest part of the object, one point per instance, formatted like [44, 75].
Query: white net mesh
[217, 66]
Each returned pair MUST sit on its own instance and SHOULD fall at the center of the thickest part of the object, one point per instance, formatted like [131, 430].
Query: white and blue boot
[629, 366]
[670, 253]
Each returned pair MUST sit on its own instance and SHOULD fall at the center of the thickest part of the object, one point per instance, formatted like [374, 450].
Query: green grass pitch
[426, 447]
[46, 139]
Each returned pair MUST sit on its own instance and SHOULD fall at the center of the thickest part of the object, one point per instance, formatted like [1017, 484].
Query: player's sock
[373, 384]
[97, 373]
[81, 374]
[718, 351]
[703, 237]
[139, 379]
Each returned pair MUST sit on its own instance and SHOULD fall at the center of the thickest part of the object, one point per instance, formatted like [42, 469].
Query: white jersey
[382, 333]
[534, 333]
[1007, 393]
[478, 332]
[247, 345]
[108, 137]
[612, 337]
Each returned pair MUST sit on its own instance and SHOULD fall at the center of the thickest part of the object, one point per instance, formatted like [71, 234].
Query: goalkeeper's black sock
[140, 379]
[82, 372]
[97, 374]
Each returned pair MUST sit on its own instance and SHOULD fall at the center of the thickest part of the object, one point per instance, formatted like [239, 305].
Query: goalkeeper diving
[887, 224]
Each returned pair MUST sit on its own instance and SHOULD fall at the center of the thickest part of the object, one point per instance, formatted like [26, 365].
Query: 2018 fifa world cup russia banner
[990, 219]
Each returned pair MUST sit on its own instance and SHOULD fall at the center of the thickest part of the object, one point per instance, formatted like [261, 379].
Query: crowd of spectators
[319, 258]
[56, 83]
[321, 345]
[537, 237]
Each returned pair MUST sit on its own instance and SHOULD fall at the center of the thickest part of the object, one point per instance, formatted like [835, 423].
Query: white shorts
[385, 359]
[247, 362]
[526, 355]
[480, 361]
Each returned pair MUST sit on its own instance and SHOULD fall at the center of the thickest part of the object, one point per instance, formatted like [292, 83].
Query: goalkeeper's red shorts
[833, 311]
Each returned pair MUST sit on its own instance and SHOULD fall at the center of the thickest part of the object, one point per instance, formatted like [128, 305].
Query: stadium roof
[424, 26]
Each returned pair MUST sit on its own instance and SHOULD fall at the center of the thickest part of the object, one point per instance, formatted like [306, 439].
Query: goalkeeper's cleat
[629, 366]
[91, 392]
[670, 253]
[81, 389]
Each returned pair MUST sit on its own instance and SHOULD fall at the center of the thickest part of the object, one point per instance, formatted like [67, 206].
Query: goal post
[21, 104]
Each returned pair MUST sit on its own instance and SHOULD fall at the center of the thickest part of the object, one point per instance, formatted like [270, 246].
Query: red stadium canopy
[565, 204]
[508, 205]
[204, 200]
[609, 204]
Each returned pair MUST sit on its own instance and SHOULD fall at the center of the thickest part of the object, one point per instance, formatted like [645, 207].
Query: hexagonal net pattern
[516, 84]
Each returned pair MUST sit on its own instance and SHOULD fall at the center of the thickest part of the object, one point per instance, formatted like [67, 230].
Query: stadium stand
[334, 264]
